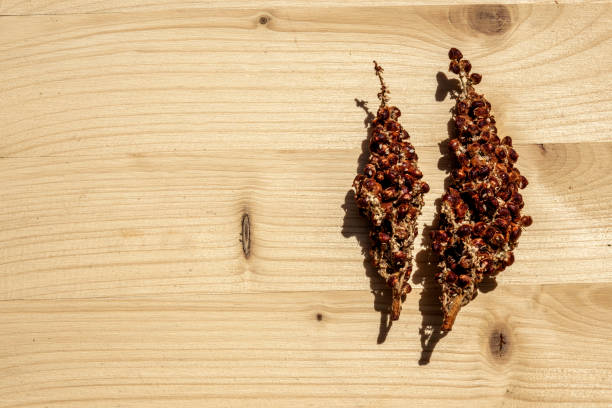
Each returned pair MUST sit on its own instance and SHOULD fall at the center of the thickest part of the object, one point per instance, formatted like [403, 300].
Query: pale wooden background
[135, 135]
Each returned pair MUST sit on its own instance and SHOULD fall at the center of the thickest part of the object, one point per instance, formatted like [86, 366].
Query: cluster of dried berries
[390, 194]
[480, 220]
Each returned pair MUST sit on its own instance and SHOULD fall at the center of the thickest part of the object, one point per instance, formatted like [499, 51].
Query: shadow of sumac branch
[429, 304]
[356, 226]
[446, 86]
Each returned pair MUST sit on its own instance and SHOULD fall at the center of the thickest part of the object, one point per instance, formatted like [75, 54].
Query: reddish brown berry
[394, 112]
[462, 108]
[389, 193]
[461, 210]
[501, 224]
[475, 78]
[479, 229]
[514, 210]
[526, 220]
[412, 213]
[455, 54]
[512, 155]
[402, 210]
[369, 170]
[465, 262]
[372, 186]
[441, 236]
[393, 159]
[464, 280]
[391, 126]
[504, 194]
[477, 103]
[399, 256]
[497, 240]
[503, 176]
[387, 208]
[515, 232]
[383, 237]
[415, 172]
[405, 197]
[517, 199]
[481, 113]
[484, 170]
[504, 213]
[454, 67]
[478, 242]
[464, 230]
[489, 233]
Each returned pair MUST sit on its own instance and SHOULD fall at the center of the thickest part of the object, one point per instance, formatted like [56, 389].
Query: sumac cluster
[480, 219]
[389, 193]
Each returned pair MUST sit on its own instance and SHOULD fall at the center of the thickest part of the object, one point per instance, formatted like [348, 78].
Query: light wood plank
[271, 350]
[167, 223]
[136, 135]
[19, 7]
[218, 79]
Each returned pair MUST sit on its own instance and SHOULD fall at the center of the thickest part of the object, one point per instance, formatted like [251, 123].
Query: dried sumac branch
[480, 220]
[390, 194]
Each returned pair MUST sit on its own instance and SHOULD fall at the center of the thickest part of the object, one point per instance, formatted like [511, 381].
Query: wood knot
[319, 316]
[489, 19]
[263, 20]
[245, 235]
[499, 343]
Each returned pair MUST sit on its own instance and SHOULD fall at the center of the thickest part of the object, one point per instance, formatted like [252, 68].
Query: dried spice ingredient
[480, 220]
[390, 194]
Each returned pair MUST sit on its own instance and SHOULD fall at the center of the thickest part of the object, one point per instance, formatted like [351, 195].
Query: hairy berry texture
[390, 194]
[480, 220]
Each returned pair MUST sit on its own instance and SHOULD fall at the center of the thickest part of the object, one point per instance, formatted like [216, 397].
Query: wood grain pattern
[152, 352]
[144, 82]
[17, 7]
[167, 223]
[135, 137]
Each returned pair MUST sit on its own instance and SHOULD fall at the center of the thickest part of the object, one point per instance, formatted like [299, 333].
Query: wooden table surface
[136, 138]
